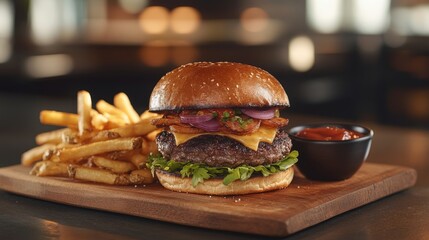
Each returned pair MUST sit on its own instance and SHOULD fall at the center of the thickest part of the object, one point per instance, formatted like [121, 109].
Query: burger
[222, 133]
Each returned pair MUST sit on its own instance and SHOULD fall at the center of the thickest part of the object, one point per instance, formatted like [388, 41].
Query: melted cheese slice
[251, 141]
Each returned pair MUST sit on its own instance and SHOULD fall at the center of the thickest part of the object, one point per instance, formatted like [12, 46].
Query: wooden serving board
[279, 213]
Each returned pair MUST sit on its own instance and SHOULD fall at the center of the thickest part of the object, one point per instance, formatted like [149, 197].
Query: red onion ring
[191, 119]
[212, 125]
[259, 114]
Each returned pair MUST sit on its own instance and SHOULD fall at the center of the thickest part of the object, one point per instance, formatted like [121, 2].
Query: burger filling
[217, 150]
[233, 121]
[200, 171]
[223, 143]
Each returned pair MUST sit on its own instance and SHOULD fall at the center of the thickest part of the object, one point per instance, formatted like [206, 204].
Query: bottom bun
[216, 187]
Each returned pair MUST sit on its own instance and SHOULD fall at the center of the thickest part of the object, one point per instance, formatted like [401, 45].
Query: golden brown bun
[216, 187]
[217, 85]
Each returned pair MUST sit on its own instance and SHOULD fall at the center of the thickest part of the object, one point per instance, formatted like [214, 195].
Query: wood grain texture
[278, 213]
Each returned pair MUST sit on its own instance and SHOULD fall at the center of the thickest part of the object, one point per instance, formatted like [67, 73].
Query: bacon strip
[166, 121]
[276, 122]
[234, 127]
[185, 128]
[242, 129]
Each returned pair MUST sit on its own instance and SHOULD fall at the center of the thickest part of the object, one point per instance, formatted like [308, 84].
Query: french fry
[70, 137]
[73, 137]
[114, 121]
[152, 135]
[109, 145]
[139, 160]
[134, 130]
[98, 121]
[53, 137]
[104, 107]
[141, 176]
[35, 154]
[103, 136]
[52, 152]
[121, 155]
[48, 154]
[84, 106]
[122, 102]
[139, 129]
[48, 168]
[113, 165]
[149, 147]
[149, 115]
[92, 174]
[59, 118]
[105, 176]
[75, 154]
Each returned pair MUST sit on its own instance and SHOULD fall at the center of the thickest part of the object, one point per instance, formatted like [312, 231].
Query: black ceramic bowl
[331, 160]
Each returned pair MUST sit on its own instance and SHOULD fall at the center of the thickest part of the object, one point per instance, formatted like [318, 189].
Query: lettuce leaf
[200, 172]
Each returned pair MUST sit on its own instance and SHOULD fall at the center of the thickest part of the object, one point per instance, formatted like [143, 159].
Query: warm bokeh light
[133, 6]
[185, 20]
[6, 19]
[45, 21]
[154, 20]
[325, 16]
[400, 20]
[257, 28]
[267, 36]
[5, 50]
[49, 65]
[254, 19]
[410, 20]
[371, 16]
[419, 19]
[301, 53]
[154, 56]
[6, 30]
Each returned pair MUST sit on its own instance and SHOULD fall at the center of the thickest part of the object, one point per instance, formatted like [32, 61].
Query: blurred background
[362, 60]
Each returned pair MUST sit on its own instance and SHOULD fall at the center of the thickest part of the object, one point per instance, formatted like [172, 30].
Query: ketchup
[328, 134]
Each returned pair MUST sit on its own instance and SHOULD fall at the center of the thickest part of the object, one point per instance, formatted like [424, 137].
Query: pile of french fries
[109, 144]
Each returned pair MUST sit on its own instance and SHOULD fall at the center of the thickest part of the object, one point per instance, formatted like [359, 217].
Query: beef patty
[215, 150]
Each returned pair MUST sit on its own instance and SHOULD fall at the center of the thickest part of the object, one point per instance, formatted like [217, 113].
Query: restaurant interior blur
[359, 60]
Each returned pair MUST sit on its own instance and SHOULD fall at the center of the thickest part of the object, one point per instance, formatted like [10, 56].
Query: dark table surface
[404, 215]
